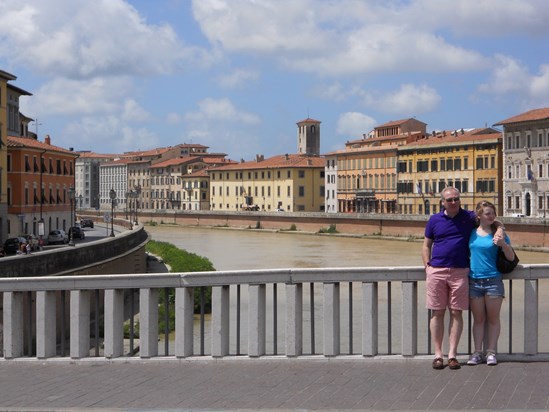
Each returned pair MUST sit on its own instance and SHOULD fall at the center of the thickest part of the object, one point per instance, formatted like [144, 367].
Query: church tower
[308, 137]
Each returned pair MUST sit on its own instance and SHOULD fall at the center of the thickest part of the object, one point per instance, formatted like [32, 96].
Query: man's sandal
[438, 363]
[453, 363]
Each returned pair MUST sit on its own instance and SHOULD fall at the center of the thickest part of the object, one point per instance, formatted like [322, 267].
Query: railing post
[331, 319]
[294, 319]
[256, 320]
[369, 319]
[531, 316]
[184, 322]
[80, 323]
[220, 320]
[114, 323]
[13, 324]
[409, 318]
[148, 322]
[46, 330]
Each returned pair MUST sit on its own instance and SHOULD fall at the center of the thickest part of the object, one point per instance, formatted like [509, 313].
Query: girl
[486, 290]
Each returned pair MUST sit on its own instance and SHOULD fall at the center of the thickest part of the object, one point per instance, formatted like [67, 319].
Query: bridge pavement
[269, 385]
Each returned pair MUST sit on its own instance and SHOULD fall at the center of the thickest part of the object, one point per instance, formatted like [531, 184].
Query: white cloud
[486, 18]
[218, 123]
[173, 118]
[408, 99]
[76, 97]
[83, 39]
[134, 112]
[221, 110]
[354, 124]
[238, 78]
[344, 37]
[334, 92]
[513, 79]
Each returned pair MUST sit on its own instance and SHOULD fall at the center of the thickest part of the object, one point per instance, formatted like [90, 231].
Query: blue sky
[236, 75]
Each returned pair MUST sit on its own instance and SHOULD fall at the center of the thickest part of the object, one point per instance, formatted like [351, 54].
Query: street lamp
[71, 230]
[137, 201]
[112, 195]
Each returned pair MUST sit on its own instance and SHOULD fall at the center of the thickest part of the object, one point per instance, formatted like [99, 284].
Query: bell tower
[308, 137]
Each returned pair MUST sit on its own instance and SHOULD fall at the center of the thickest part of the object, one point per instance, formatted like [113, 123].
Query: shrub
[180, 261]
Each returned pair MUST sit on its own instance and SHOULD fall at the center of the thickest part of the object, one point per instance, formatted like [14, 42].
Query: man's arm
[426, 250]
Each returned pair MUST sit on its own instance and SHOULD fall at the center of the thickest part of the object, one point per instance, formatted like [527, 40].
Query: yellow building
[366, 168]
[291, 182]
[469, 160]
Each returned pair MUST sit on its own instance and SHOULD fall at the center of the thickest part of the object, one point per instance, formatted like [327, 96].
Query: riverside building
[526, 163]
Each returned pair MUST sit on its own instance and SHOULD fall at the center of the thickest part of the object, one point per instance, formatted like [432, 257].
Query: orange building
[366, 168]
[39, 177]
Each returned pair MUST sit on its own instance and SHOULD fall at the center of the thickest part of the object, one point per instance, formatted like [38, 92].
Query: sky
[112, 76]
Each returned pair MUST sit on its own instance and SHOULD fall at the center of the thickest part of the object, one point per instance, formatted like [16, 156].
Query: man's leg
[437, 330]
[456, 327]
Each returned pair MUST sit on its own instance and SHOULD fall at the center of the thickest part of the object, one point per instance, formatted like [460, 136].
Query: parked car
[57, 236]
[13, 244]
[33, 240]
[86, 223]
[76, 232]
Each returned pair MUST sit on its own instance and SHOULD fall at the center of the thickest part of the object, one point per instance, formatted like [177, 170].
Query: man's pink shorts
[447, 288]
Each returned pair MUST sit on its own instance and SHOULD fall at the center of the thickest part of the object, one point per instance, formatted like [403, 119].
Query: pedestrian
[486, 291]
[445, 254]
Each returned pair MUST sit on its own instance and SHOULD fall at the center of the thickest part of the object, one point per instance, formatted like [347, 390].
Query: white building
[526, 164]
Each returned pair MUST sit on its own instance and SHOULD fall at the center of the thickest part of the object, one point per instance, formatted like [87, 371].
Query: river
[233, 249]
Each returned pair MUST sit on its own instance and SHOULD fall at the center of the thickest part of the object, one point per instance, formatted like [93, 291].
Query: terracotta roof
[93, 155]
[14, 141]
[198, 173]
[175, 161]
[536, 114]
[449, 137]
[276, 162]
[309, 120]
[218, 160]
[396, 123]
[192, 145]
[151, 152]
[116, 162]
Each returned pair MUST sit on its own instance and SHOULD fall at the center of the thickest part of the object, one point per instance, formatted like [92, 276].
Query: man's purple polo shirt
[450, 238]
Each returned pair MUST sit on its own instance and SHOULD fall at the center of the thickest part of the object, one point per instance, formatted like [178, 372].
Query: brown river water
[234, 249]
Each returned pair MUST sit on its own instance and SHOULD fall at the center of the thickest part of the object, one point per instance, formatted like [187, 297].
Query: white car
[58, 236]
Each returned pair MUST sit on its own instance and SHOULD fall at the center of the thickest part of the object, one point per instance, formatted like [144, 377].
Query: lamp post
[137, 200]
[112, 195]
[71, 230]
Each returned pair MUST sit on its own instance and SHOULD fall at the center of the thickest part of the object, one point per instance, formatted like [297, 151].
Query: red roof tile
[279, 161]
[536, 114]
[14, 141]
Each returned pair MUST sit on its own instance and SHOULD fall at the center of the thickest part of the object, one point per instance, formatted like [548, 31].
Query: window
[301, 174]
[301, 191]
[434, 165]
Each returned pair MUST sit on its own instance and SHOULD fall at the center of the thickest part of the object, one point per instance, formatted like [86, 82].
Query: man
[445, 256]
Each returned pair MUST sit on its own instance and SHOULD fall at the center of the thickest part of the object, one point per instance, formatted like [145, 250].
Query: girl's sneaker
[491, 359]
[475, 359]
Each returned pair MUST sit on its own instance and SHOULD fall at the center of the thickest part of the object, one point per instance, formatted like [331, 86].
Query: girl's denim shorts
[479, 288]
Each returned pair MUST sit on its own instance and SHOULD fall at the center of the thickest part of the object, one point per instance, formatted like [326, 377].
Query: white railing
[289, 312]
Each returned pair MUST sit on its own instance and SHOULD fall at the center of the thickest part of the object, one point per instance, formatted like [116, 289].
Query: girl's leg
[478, 309]
[493, 308]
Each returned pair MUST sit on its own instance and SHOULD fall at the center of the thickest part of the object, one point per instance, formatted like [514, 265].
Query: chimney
[47, 139]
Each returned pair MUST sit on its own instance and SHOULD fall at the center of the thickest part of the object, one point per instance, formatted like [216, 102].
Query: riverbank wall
[524, 232]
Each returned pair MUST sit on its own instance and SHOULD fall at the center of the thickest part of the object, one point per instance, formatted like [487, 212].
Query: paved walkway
[269, 385]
